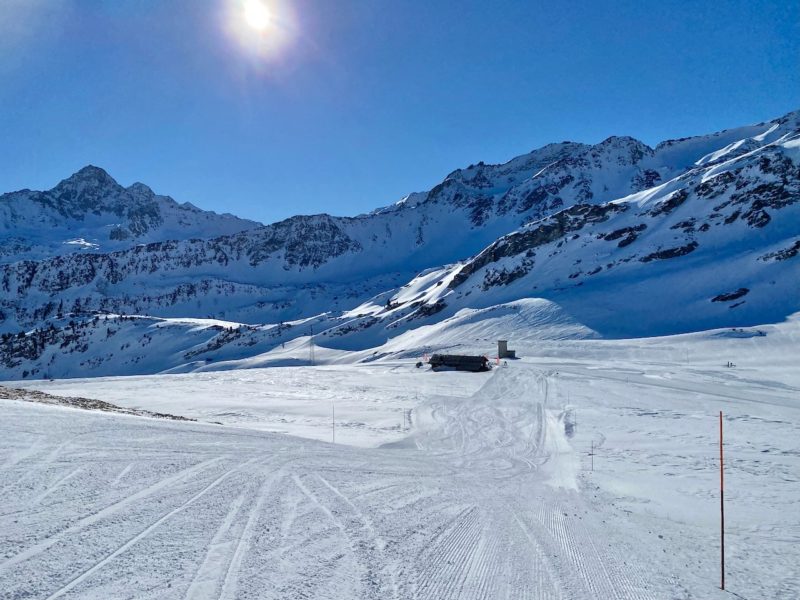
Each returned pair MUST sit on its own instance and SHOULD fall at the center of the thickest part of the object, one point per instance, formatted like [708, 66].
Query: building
[456, 362]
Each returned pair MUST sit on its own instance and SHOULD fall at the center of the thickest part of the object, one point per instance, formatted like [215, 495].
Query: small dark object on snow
[419, 364]
[475, 364]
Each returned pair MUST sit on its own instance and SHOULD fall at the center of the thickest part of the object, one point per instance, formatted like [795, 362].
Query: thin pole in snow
[721, 509]
[311, 346]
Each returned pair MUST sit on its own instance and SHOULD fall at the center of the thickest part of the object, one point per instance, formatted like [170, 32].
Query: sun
[256, 14]
[263, 30]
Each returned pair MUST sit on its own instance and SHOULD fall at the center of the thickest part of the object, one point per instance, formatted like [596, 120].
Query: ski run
[440, 486]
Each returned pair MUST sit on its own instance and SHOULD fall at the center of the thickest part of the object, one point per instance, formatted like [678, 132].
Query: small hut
[457, 362]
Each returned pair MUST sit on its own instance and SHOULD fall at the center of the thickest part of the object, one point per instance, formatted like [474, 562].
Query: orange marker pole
[721, 509]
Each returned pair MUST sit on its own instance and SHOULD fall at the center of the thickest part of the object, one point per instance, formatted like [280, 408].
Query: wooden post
[721, 509]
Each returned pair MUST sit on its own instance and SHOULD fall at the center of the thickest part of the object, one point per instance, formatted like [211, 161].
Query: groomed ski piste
[439, 486]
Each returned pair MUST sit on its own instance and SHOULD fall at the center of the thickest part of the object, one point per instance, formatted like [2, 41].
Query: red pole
[721, 508]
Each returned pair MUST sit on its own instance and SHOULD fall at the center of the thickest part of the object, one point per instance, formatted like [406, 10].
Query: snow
[384, 285]
[350, 266]
[83, 244]
[89, 211]
[489, 494]
[587, 469]
[369, 402]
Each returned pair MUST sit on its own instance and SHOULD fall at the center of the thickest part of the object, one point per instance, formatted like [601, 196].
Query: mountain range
[615, 239]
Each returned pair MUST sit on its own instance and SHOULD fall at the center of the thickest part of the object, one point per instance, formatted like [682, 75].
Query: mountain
[714, 247]
[90, 212]
[613, 239]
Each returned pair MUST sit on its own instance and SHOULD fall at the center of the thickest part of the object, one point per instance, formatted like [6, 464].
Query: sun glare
[261, 28]
[256, 14]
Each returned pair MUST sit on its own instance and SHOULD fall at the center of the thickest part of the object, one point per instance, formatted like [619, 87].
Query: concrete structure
[503, 351]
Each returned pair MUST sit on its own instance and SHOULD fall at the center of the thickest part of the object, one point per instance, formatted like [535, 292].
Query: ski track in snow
[212, 570]
[485, 504]
[74, 582]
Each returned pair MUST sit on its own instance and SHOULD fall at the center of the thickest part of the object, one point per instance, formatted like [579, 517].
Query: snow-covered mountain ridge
[618, 239]
[90, 211]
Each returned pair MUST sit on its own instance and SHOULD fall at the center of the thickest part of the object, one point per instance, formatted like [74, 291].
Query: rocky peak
[89, 177]
[90, 209]
[627, 149]
[140, 189]
[791, 119]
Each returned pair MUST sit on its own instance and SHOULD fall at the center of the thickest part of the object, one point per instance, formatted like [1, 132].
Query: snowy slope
[488, 491]
[90, 212]
[716, 246]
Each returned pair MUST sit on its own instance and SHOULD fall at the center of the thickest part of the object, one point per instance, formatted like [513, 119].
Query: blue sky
[369, 99]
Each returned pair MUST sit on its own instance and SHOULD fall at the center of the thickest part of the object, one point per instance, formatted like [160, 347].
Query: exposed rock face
[671, 252]
[532, 237]
[730, 296]
[784, 254]
[748, 186]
